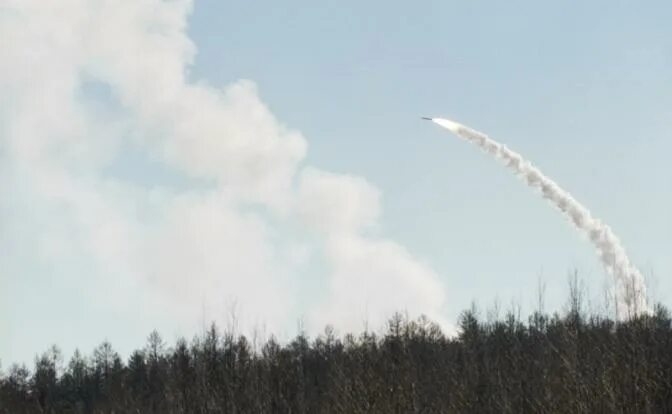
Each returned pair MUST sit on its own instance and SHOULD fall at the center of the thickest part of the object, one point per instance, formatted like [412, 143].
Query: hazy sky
[163, 163]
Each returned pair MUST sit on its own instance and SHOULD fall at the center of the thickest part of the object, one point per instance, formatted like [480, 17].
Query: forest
[573, 362]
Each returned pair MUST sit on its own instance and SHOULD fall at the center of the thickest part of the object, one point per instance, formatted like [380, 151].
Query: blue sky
[582, 90]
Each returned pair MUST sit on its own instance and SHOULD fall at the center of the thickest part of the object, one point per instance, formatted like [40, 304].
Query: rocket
[458, 129]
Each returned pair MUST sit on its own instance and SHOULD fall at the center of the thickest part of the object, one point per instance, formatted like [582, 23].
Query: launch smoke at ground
[630, 288]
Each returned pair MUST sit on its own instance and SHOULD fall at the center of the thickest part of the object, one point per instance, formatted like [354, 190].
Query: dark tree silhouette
[570, 363]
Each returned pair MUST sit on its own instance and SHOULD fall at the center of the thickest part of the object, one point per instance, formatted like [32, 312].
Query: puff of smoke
[630, 288]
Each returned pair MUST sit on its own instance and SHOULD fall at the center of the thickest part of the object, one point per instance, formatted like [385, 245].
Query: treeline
[570, 363]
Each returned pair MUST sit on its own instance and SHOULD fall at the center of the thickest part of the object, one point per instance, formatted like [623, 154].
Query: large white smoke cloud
[370, 274]
[168, 249]
[629, 282]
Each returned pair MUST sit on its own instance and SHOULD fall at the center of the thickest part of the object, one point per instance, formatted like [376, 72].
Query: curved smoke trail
[629, 283]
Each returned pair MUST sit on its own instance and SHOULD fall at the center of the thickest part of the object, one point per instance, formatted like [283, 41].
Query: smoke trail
[629, 283]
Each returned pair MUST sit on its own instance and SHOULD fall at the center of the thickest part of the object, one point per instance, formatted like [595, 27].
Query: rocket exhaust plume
[630, 288]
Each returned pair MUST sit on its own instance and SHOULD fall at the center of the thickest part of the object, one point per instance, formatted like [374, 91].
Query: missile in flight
[458, 129]
[630, 286]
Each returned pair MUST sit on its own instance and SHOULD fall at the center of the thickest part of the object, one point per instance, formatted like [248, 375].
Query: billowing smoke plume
[128, 183]
[629, 283]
